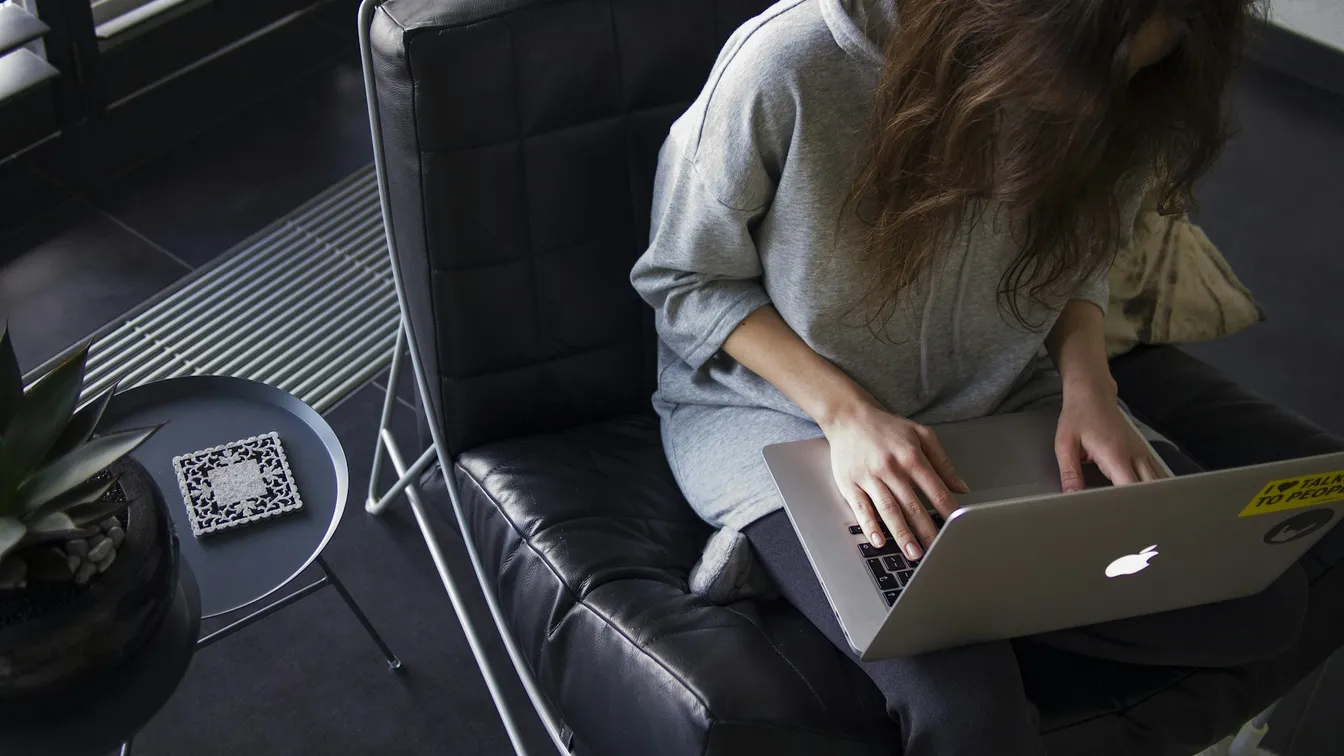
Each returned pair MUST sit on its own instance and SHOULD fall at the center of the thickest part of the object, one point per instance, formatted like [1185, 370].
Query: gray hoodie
[747, 212]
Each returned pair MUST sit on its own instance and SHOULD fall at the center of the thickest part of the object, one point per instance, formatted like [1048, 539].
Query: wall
[1321, 20]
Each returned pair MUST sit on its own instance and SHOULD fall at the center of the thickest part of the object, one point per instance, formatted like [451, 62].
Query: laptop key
[876, 567]
[903, 577]
[893, 564]
[891, 597]
[887, 582]
[869, 551]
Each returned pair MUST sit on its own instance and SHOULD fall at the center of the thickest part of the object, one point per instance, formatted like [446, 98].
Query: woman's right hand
[880, 461]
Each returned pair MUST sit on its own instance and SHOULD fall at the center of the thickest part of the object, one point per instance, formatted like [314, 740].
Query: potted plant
[88, 556]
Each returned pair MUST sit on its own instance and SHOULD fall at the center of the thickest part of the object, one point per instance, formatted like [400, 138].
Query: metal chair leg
[474, 640]
[1247, 741]
[125, 749]
[393, 663]
[427, 458]
[376, 504]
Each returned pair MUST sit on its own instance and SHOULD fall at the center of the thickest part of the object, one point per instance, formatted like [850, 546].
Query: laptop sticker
[1299, 526]
[1296, 493]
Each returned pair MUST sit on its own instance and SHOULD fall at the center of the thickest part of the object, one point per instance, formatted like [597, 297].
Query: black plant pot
[54, 661]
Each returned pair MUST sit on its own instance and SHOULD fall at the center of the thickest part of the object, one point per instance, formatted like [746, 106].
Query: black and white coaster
[236, 484]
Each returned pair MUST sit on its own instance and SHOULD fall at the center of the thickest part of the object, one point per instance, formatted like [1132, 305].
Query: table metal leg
[266, 611]
[393, 663]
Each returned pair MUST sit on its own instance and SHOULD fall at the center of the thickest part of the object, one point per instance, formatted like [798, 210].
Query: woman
[876, 217]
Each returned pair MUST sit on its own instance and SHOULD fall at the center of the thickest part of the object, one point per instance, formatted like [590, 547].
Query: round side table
[246, 565]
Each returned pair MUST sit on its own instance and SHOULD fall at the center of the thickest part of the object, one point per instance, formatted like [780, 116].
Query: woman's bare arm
[1091, 425]
[768, 347]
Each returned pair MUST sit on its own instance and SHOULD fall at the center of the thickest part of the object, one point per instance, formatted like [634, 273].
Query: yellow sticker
[1296, 493]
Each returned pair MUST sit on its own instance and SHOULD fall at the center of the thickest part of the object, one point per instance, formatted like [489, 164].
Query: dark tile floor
[211, 192]
[307, 680]
[77, 269]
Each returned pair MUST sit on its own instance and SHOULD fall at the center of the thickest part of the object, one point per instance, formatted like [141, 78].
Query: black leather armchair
[518, 141]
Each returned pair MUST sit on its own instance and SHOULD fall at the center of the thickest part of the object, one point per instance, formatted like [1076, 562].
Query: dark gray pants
[971, 701]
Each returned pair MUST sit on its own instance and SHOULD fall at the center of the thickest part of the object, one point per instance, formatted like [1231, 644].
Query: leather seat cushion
[590, 543]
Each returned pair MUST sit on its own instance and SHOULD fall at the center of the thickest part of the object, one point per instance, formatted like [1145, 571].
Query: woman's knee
[960, 701]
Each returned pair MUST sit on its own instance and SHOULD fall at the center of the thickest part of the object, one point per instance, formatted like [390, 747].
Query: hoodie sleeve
[1096, 289]
[716, 178]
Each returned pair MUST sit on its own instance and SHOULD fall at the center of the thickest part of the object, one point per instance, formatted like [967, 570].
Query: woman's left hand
[1092, 428]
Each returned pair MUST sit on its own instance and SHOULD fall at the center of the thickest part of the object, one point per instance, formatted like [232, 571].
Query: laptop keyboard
[887, 566]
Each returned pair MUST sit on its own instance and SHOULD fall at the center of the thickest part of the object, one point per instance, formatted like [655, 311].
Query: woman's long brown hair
[1029, 103]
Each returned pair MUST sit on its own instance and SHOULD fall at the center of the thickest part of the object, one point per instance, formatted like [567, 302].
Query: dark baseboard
[1301, 57]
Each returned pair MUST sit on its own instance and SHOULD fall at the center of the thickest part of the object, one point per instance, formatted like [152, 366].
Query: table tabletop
[242, 565]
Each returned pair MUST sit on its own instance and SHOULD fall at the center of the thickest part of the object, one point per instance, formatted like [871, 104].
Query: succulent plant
[50, 460]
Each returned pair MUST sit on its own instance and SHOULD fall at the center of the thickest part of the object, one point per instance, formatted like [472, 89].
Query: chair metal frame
[1244, 743]
[406, 482]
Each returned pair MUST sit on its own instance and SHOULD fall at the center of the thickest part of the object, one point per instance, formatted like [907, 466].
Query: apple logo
[1131, 563]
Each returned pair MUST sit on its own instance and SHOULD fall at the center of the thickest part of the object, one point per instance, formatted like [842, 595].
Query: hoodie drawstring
[957, 303]
[961, 295]
[924, 336]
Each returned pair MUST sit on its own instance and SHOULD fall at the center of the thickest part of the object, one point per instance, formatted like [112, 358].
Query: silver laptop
[1020, 558]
